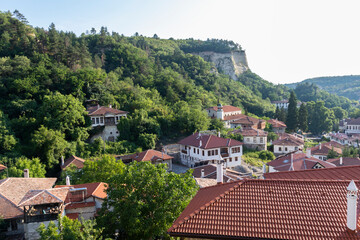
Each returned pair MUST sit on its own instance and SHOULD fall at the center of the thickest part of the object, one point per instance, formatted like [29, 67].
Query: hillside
[346, 86]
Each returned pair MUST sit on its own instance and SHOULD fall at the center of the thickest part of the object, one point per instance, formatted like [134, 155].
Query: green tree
[67, 229]
[303, 118]
[145, 199]
[49, 145]
[16, 167]
[292, 114]
[147, 140]
[216, 124]
[332, 154]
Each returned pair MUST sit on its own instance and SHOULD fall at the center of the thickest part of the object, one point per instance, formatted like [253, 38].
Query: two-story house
[200, 149]
[277, 126]
[287, 143]
[353, 126]
[253, 138]
[106, 119]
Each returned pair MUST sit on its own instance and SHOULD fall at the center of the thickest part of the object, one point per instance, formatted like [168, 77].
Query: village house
[353, 126]
[26, 202]
[277, 126]
[297, 161]
[284, 104]
[287, 143]
[322, 150]
[272, 209]
[202, 149]
[210, 172]
[253, 138]
[84, 200]
[248, 122]
[352, 139]
[72, 161]
[153, 156]
[105, 119]
[343, 124]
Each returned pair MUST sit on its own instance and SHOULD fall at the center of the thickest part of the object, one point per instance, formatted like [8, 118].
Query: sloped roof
[251, 132]
[337, 173]
[208, 141]
[248, 120]
[276, 123]
[267, 209]
[73, 160]
[148, 155]
[300, 162]
[38, 197]
[288, 140]
[2, 167]
[101, 111]
[347, 161]
[97, 189]
[325, 148]
[226, 108]
[205, 182]
[12, 191]
[354, 121]
[233, 117]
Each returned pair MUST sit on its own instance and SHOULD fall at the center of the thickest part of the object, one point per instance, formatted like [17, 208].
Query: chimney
[292, 164]
[308, 152]
[202, 173]
[219, 172]
[264, 168]
[68, 181]
[110, 106]
[219, 134]
[352, 196]
[62, 160]
[320, 146]
[26, 173]
[341, 161]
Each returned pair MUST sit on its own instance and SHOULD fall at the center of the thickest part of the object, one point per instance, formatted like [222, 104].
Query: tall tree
[292, 115]
[145, 199]
[303, 118]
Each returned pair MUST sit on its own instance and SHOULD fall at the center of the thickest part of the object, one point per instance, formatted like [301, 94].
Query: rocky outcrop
[232, 64]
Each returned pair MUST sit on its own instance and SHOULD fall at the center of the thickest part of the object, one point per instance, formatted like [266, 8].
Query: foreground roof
[338, 173]
[208, 141]
[73, 160]
[300, 162]
[13, 190]
[226, 108]
[267, 209]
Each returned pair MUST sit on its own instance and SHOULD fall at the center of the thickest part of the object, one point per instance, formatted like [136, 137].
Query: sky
[285, 40]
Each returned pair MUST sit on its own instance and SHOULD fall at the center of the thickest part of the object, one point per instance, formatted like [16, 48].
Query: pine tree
[292, 115]
[303, 118]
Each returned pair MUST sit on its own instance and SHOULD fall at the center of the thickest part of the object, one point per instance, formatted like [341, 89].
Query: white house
[353, 126]
[107, 117]
[200, 149]
[287, 143]
[227, 114]
[253, 138]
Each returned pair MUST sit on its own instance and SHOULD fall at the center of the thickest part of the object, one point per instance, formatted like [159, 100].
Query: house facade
[322, 150]
[287, 143]
[105, 120]
[277, 126]
[245, 121]
[353, 126]
[253, 138]
[201, 149]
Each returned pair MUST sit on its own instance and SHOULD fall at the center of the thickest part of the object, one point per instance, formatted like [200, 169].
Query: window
[254, 139]
[97, 120]
[285, 148]
[194, 150]
[261, 140]
[110, 132]
[235, 150]
[230, 159]
[198, 151]
[213, 152]
[203, 153]
[248, 139]
[236, 159]
[117, 132]
[216, 152]
[101, 120]
[280, 149]
[93, 120]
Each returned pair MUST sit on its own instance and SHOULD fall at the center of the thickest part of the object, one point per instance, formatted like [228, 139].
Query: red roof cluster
[299, 162]
[247, 120]
[354, 121]
[226, 108]
[267, 209]
[208, 141]
[101, 111]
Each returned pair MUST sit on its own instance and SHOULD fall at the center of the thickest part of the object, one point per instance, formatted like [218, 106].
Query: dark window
[194, 150]
[198, 151]
[203, 153]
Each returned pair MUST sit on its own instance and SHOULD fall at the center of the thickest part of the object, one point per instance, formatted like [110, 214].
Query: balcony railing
[224, 154]
[184, 151]
[41, 218]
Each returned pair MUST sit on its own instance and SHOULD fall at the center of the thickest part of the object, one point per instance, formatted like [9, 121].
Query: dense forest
[346, 86]
[47, 75]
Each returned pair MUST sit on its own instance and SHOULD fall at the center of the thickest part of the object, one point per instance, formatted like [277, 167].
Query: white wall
[285, 149]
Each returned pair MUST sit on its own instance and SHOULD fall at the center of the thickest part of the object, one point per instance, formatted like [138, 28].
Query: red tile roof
[208, 141]
[288, 140]
[73, 160]
[354, 121]
[300, 162]
[2, 167]
[226, 108]
[80, 205]
[338, 173]
[148, 155]
[93, 189]
[247, 120]
[326, 147]
[347, 161]
[233, 117]
[276, 123]
[38, 197]
[102, 111]
[267, 209]
[13, 190]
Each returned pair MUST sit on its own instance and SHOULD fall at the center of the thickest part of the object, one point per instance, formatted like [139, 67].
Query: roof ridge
[30, 197]
[208, 204]
[208, 140]
[53, 194]
[99, 183]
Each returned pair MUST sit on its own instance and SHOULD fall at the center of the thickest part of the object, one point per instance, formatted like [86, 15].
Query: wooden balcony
[224, 154]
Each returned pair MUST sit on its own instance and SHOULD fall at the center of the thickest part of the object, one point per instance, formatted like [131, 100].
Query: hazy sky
[285, 41]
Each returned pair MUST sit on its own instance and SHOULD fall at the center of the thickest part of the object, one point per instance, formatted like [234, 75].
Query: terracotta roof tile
[276, 123]
[347, 161]
[248, 120]
[338, 173]
[38, 197]
[101, 111]
[148, 155]
[251, 132]
[208, 141]
[267, 209]
[288, 140]
[326, 147]
[73, 160]
[226, 108]
[97, 189]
